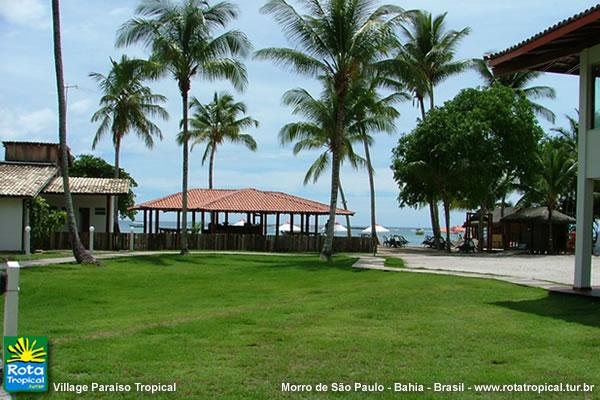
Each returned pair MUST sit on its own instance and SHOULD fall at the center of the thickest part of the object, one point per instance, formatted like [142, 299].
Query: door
[84, 220]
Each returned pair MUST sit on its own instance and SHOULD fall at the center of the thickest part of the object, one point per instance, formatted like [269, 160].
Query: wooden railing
[216, 242]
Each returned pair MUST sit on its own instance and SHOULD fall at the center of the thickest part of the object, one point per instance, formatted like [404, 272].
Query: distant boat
[420, 232]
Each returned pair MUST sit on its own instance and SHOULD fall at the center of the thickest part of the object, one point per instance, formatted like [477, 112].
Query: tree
[82, 256]
[89, 166]
[216, 122]
[425, 59]
[555, 174]
[44, 220]
[317, 132]
[519, 81]
[126, 106]
[182, 39]
[338, 41]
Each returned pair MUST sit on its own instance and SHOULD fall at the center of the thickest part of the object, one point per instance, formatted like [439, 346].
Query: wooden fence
[217, 242]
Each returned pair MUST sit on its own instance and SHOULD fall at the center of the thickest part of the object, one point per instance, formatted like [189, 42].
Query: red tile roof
[240, 201]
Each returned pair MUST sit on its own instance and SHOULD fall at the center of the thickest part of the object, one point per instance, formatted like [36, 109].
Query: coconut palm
[182, 39]
[219, 121]
[126, 106]
[426, 58]
[317, 133]
[557, 170]
[82, 256]
[519, 81]
[338, 41]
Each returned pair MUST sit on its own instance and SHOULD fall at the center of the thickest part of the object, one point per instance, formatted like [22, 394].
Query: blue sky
[28, 105]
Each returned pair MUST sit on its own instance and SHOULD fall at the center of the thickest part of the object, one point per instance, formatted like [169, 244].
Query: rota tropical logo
[26, 364]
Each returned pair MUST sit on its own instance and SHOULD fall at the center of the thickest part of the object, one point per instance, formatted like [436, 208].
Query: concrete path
[547, 272]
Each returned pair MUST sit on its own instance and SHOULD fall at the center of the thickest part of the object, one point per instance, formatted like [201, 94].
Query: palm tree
[217, 122]
[125, 107]
[557, 170]
[519, 82]
[317, 133]
[338, 41]
[425, 59]
[181, 38]
[82, 256]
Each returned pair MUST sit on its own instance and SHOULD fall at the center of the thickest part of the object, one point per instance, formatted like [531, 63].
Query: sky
[28, 109]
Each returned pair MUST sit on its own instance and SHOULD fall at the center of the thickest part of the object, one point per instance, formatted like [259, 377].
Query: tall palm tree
[182, 39]
[338, 41]
[82, 256]
[219, 121]
[317, 133]
[126, 106]
[427, 57]
[557, 170]
[519, 81]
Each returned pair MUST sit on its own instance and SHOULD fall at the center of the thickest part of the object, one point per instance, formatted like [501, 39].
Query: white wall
[84, 201]
[11, 224]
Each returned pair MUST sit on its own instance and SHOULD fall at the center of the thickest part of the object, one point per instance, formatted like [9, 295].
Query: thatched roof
[538, 214]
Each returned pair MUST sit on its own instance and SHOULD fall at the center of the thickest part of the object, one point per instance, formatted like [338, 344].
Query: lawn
[236, 327]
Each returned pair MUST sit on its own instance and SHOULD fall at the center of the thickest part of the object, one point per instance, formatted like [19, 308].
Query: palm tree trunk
[115, 199]
[447, 217]
[341, 88]
[211, 166]
[550, 231]
[372, 192]
[349, 233]
[184, 186]
[82, 256]
[482, 212]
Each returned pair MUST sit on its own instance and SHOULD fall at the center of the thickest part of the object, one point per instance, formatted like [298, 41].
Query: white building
[31, 170]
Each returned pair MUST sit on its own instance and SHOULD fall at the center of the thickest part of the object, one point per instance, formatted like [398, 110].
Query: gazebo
[218, 204]
[571, 46]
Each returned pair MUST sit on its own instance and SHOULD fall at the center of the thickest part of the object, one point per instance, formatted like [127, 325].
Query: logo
[25, 363]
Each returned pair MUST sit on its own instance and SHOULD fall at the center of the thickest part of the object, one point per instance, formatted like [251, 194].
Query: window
[100, 211]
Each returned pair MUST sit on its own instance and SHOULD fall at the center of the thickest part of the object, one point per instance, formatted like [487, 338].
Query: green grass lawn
[10, 256]
[236, 327]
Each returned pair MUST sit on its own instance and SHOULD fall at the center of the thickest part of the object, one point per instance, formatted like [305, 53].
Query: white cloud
[33, 13]
[120, 11]
[81, 106]
[28, 125]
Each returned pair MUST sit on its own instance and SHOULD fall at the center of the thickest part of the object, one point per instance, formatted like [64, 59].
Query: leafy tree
[219, 121]
[82, 256]
[427, 57]
[126, 106]
[519, 81]
[44, 220]
[555, 174]
[182, 39]
[89, 166]
[338, 41]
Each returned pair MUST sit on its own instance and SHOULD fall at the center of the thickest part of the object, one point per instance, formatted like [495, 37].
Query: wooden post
[316, 224]
[193, 219]
[226, 218]
[145, 221]
[291, 223]
[150, 221]
[248, 218]
[277, 225]
[202, 220]
[178, 221]
[157, 222]
[301, 223]
[265, 224]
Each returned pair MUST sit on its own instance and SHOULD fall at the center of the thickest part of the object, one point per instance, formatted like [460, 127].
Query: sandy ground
[557, 269]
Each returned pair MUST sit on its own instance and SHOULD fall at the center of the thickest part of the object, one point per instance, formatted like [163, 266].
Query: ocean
[408, 233]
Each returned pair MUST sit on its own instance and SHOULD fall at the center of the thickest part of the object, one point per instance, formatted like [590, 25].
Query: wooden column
[178, 221]
[265, 224]
[301, 223]
[316, 224]
[194, 219]
[145, 221]
[157, 222]
[291, 223]
[202, 220]
[248, 218]
[277, 225]
[226, 218]
[150, 221]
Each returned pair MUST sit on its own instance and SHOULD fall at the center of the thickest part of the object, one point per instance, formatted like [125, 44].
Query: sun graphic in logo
[24, 351]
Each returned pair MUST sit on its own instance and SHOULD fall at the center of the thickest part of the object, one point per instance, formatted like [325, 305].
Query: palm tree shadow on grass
[570, 308]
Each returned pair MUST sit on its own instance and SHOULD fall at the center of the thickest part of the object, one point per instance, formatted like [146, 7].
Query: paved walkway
[548, 272]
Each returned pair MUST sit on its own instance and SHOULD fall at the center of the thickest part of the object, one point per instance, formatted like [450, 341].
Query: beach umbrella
[241, 222]
[337, 228]
[288, 228]
[378, 229]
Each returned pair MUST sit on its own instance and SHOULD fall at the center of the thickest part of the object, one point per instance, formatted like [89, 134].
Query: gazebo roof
[555, 49]
[538, 214]
[240, 201]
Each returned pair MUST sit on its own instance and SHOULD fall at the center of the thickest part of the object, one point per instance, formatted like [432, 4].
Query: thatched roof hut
[538, 215]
